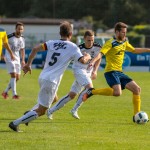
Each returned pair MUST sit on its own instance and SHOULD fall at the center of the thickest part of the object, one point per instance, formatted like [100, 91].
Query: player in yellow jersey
[4, 42]
[114, 50]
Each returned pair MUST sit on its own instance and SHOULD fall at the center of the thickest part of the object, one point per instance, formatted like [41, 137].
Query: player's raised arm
[27, 67]
[86, 57]
[95, 69]
[92, 62]
[141, 50]
[22, 51]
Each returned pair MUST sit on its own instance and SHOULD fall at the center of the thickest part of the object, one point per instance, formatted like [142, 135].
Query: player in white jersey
[59, 54]
[82, 74]
[17, 44]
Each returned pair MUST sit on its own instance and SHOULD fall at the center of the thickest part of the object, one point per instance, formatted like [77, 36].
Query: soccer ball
[141, 117]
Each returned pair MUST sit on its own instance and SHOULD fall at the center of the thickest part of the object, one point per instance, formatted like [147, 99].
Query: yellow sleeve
[106, 47]
[5, 39]
[129, 47]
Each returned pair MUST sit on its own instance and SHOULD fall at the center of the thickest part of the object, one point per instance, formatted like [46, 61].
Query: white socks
[31, 115]
[8, 88]
[79, 100]
[60, 103]
[13, 85]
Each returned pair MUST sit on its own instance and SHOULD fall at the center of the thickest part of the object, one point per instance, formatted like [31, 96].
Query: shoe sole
[50, 118]
[74, 116]
[5, 97]
[13, 128]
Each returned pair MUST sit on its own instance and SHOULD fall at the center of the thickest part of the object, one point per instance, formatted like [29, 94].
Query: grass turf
[105, 124]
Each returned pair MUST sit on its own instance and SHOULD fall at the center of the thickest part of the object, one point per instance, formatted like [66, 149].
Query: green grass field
[105, 124]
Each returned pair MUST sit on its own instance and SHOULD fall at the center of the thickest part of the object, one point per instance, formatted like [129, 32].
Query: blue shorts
[117, 77]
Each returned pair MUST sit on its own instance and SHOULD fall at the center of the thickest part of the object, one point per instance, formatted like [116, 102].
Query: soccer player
[4, 43]
[59, 54]
[17, 44]
[114, 50]
[82, 74]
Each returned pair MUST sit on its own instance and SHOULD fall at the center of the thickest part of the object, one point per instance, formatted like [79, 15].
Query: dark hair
[19, 24]
[88, 33]
[120, 25]
[65, 29]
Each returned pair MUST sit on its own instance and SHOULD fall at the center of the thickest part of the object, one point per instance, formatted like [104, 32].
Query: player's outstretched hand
[26, 68]
[90, 65]
[88, 56]
[23, 63]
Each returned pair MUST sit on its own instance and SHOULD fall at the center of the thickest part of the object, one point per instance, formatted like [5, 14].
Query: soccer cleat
[49, 115]
[5, 95]
[24, 114]
[15, 97]
[75, 114]
[14, 127]
[87, 94]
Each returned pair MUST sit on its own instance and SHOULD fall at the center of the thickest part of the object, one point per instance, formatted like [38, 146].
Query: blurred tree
[129, 11]
[14, 9]
[105, 11]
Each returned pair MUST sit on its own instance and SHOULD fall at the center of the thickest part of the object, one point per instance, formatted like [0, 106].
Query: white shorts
[12, 67]
[76, 87]
[82, 79]
[47, 92]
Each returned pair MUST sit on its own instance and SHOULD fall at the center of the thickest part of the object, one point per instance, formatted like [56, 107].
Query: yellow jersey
[3, 39]
[114, 52]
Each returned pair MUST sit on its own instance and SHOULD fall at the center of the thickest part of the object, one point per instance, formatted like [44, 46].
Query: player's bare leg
[55, 99]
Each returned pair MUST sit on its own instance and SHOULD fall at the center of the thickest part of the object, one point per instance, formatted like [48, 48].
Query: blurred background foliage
[100, 15]
[104, 13]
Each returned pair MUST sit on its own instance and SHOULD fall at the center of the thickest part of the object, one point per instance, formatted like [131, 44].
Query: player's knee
[17, 78]
[41, 111]
[137, 90]
[117, 93]
[55, 98]
[72, 95]
[13, 75]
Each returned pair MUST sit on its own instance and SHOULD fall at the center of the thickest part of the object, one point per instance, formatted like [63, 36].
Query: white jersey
[59, 55]
[16, 44]
[93, 51]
